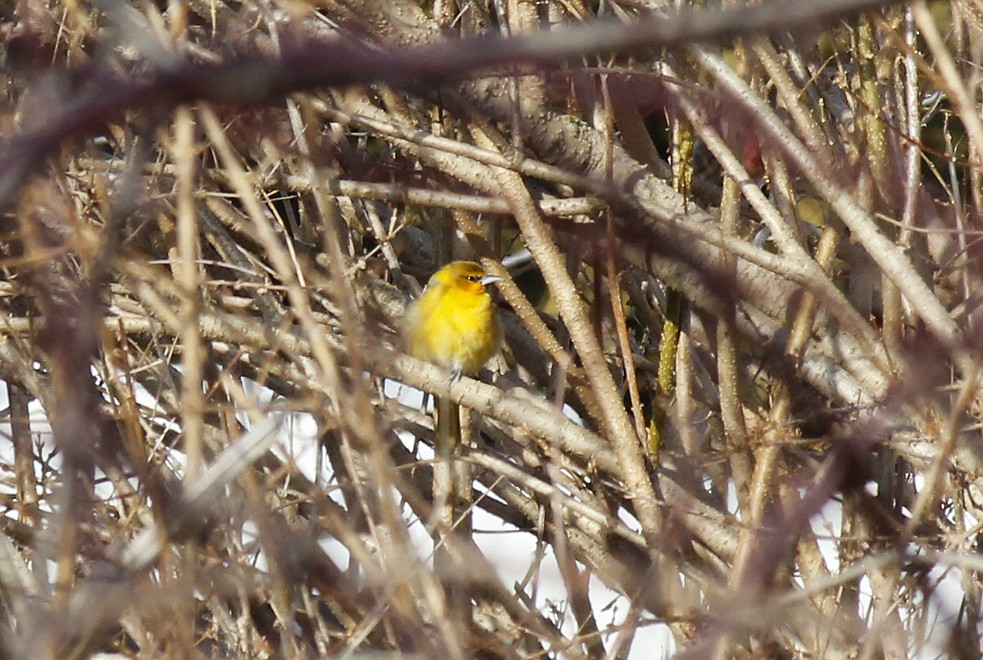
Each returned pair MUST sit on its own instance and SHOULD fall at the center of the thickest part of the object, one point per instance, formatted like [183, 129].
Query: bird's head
[465, 276]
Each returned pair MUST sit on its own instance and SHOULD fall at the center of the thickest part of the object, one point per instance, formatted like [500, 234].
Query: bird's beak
[490, 279]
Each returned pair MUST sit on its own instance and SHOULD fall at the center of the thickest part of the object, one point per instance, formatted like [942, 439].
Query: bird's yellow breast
[454, 323]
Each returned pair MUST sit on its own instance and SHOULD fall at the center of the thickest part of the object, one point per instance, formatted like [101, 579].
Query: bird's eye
[474, 278]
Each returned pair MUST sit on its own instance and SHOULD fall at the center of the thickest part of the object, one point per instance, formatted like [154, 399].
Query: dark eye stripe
[474, 278]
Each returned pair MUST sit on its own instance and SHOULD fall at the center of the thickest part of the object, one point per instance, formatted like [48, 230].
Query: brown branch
[105, 98]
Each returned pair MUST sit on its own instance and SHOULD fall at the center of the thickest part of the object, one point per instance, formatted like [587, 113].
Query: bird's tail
[448, 426]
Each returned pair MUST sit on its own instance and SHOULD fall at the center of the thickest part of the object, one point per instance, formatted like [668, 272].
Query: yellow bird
[454, 325]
